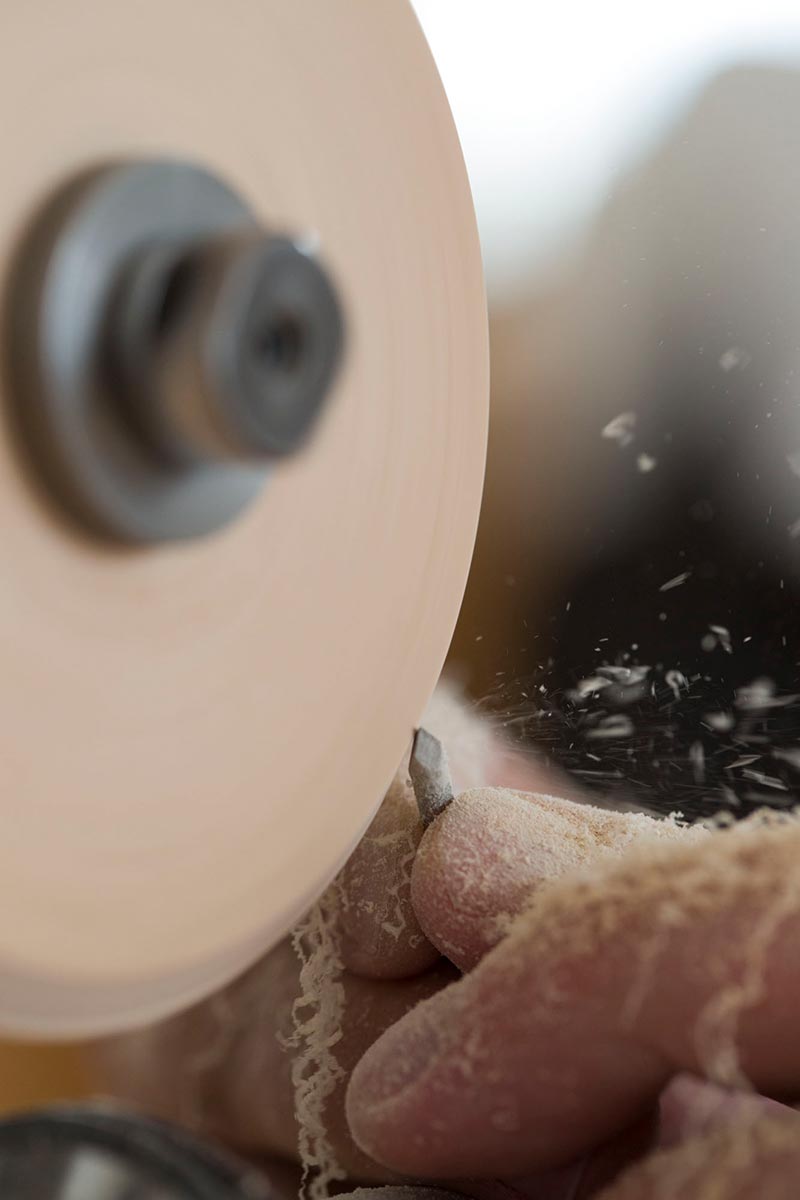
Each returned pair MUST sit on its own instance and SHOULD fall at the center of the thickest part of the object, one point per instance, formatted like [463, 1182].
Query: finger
[615, 978]
[222, 1069]
[480, 861]
[737, 1161]
[380, 935]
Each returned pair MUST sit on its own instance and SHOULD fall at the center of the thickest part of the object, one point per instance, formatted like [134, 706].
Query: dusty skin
[607, 955]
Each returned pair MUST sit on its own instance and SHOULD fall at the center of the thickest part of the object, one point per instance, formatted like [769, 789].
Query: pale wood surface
[193, 738]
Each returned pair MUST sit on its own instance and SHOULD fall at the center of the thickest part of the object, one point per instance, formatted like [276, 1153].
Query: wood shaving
[676, 581]
[317, 1027]
[620, 429]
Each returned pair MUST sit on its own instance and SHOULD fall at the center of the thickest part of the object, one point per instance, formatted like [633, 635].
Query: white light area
[553, 97]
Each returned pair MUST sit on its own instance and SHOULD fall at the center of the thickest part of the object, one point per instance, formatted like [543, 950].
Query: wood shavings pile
[317, 1027]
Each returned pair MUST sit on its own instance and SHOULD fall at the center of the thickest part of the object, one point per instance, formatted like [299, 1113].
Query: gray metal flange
[164, 350]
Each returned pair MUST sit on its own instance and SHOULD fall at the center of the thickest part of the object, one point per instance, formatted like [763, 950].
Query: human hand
[576, 1016]
[547, 1060]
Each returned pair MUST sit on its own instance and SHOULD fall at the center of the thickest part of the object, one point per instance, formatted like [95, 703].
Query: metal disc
[195, 735]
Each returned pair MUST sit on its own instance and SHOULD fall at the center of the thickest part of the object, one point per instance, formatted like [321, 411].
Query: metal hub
[165, 350]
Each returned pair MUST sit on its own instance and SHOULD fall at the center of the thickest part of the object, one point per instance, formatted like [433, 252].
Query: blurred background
[553, 102]
[636, 174]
